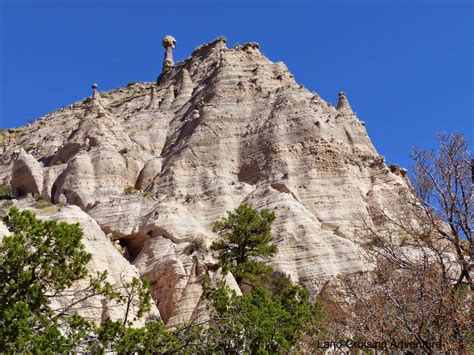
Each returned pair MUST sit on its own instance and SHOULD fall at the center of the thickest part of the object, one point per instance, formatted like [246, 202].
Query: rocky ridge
[154, 164]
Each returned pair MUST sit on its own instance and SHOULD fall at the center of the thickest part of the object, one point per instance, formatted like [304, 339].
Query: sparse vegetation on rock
[129, 189]
[195, 245]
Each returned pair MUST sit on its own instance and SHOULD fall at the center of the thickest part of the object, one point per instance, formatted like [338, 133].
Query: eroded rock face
[223, 127]
[174, 276]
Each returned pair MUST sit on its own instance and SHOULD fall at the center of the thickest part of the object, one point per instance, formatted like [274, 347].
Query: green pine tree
[245, 241]
[40, 259]
[260, 322]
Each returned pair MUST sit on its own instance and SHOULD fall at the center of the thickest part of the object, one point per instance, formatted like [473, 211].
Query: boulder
[27, 175]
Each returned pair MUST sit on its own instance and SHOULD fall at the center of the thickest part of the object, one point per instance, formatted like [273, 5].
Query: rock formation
[27, 175]
[343, 104]
[95, 93]
[168, 62]
[225, 126]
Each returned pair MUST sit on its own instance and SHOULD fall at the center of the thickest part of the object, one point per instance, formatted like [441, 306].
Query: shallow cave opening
[19, 192]
[133, 244]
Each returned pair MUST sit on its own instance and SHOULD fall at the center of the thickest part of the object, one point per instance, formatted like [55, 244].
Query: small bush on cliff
[5, 192]
[129, 189]
[245, 241]
[195, 245]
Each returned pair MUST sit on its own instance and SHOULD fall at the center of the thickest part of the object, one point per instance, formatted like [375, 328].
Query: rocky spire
[95, 104]
[187, 84]
[168, 99]
[185, 90]
[168, 43]
[95, 93]
[343, 103]
[153, 104]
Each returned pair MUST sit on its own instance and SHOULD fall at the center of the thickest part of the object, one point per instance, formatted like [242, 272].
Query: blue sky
[406, 66]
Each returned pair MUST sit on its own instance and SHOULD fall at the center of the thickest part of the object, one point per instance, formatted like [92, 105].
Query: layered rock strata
[155, 164]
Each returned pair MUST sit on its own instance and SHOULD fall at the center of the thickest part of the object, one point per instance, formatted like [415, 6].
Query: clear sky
[406, 66]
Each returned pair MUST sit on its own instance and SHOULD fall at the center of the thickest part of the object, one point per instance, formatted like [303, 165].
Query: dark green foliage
[122, 339]
[5, 192]
[259, 322]
[245, 239]
[137, 294]
[40, 259]
[152, 338]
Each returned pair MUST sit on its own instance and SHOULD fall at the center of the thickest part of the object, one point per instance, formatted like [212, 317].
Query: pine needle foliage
[245, 242]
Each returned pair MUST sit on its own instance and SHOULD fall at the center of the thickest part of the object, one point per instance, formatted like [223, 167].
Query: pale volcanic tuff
[154, 164]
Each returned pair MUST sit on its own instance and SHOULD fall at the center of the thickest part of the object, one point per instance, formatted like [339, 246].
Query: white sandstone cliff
[157, 163]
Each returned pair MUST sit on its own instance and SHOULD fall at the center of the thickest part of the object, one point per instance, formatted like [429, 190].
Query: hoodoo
[168, 43]
[94, 90]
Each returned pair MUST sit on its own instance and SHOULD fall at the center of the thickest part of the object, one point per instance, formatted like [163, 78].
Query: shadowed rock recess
[154, 164]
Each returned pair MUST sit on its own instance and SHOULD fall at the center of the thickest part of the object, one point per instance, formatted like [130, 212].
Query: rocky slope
[154, 164]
